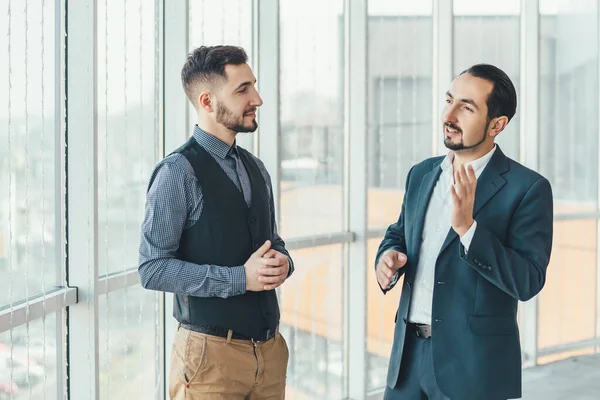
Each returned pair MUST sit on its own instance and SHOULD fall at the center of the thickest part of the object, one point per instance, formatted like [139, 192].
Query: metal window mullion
[267, 50]
[443, 61]
[597, 313]
[319, 240]
[576, 216]
[176, 46]
[568, 347]
[176, 127]
[118, 281]
[164, 319]
[52, 301]
[355, 194]
[82, 211]
[530, 145]
[529, 96]
[60, 229]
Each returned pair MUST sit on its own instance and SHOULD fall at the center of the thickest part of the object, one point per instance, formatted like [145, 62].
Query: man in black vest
[209, 236]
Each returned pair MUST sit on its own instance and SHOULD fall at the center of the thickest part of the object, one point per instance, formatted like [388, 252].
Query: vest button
[252, 219]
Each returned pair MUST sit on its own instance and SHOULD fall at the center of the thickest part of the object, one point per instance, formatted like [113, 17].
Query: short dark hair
[207, 64]
[503, 98]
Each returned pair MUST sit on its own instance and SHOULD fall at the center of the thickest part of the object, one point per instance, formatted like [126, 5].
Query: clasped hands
[266, 269]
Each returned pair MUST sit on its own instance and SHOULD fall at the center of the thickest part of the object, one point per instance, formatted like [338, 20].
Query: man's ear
[205, 101]
[497, 125]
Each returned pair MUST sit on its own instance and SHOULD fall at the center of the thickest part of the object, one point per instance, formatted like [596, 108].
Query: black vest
[226, 234]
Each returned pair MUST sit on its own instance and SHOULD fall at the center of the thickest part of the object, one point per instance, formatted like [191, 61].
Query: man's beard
[226, 118]
[460, 145]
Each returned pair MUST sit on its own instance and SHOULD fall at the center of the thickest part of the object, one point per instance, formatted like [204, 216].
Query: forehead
[467, 86]
[238, 74]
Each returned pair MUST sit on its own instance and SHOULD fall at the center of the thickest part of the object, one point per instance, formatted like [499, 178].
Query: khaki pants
[209, 367]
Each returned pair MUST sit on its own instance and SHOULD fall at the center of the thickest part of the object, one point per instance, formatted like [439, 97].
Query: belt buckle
[418, 331]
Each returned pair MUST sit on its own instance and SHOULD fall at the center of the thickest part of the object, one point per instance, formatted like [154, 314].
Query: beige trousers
[210, 367]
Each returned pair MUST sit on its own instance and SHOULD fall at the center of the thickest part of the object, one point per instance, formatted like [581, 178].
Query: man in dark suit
[474, 236]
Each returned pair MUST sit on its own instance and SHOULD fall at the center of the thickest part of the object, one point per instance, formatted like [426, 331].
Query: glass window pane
[489, 32]
[311, 121]
[568, 119]
[569, 296]
[312, 324]
[400, 85]
[128, 130]
[129, 344]
[479, 8]
[28, 361]
[28, 237]
[227, 22]
[220, 22]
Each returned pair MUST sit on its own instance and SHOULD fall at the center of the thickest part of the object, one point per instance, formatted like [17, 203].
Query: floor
[576, 378]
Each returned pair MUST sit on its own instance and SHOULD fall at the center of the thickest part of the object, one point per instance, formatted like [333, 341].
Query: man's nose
[449, 115]
[257, 101]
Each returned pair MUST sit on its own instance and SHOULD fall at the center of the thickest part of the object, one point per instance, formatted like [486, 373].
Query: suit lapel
[489, 183]
[425, 192]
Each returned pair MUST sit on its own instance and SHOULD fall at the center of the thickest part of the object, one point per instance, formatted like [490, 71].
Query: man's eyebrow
[468, 101]
[247, 83]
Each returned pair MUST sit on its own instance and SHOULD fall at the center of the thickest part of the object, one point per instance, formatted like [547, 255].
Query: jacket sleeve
[518, 267]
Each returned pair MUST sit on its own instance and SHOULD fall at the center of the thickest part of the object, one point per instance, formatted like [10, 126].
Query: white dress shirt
[436, 227]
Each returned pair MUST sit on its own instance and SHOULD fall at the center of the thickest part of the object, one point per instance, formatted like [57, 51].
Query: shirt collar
[213, 144]
[478, 165]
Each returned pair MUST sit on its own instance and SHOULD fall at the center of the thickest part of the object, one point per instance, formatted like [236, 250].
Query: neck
[217, 130]
[463, 157]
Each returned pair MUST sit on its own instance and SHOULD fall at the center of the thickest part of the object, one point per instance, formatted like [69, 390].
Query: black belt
[420, 330]
[222, 332]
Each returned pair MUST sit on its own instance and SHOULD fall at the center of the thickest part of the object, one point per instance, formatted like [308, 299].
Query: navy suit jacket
[475, 337]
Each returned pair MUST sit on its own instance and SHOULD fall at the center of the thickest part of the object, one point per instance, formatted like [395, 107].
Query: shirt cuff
[467, 238]
[238, 280]
[394, 279]
[291, 263]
